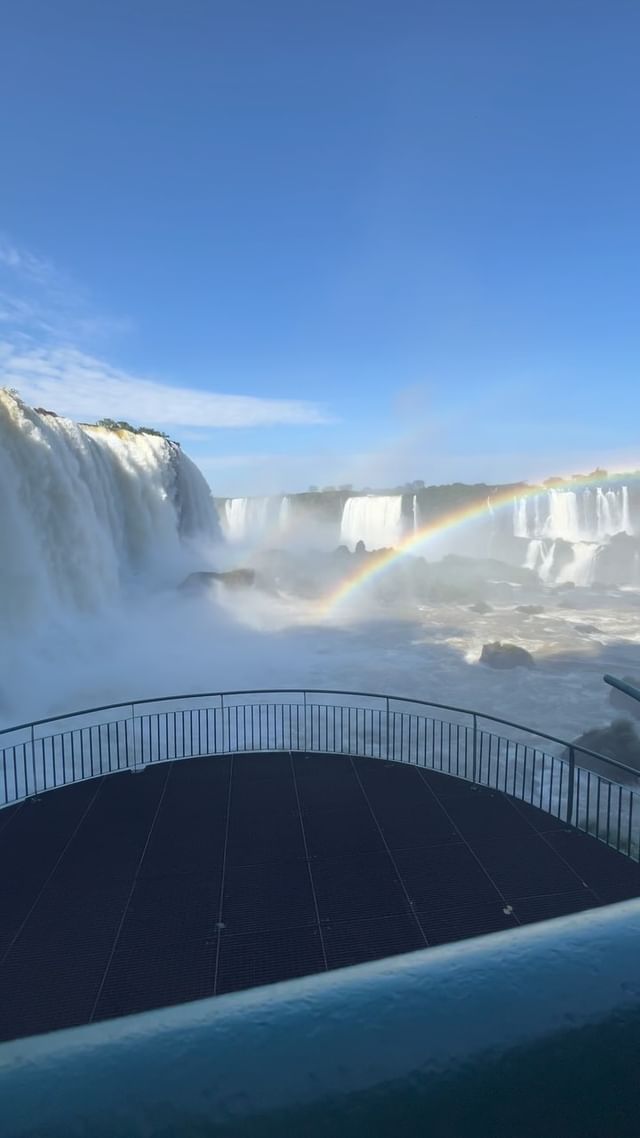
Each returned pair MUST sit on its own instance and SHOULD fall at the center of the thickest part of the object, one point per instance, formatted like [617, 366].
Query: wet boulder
[619, 741]
[498, 655]
[232, 578]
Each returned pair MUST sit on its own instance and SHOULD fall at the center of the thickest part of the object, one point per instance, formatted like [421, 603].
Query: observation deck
[165, 852]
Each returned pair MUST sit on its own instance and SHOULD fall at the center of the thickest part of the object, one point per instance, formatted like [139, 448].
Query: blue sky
[353, 241]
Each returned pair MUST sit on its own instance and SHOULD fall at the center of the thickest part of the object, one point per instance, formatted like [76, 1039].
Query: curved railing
[581, 787]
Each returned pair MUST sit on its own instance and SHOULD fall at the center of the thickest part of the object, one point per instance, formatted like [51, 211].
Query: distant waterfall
[255, 519]
[573, 515]
[84, 510]
[520, 521]
[374, 519]
[542, 557]
[581, 568]
[284, 516]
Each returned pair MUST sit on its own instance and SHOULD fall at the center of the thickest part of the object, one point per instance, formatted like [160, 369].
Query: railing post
[572, 779]
[33, 761]
[387, 726]
[304, 704]
[222, 716]
[133, 736]
[475, 748]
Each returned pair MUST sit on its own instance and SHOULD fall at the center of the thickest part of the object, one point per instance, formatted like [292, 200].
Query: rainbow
[453, 520]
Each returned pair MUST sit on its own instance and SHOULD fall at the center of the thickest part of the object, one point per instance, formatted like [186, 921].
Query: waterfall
[626, 514]
[580, 569]
[586, 518]
[255, 519]
[235, 518]
[520, 522]
[415, 513]
[374, 519]
[284, 516]
[562, 519]
[540, 557]
[583, 515]
[84, 510]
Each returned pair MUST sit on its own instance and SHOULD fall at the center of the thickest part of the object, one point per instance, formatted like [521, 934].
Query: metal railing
[582, 788]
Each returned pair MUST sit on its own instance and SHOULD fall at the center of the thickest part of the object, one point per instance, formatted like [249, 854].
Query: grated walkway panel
[212, 875]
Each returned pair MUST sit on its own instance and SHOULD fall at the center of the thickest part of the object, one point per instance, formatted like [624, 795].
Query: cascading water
[584, 515]
[520, 520]
[581, 568]
[563, 517]
[252, 520]
[84, 510]
[587, 519]
[540, 558]
[375, 519]
[284, 516]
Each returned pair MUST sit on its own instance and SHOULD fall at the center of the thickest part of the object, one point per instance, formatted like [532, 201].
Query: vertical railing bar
[43, 764]
[571, 787]
[33, 760]
[81, 745]
[387, 726]
[544, 771]
[73, 754]
[304, 705]
[598, 797]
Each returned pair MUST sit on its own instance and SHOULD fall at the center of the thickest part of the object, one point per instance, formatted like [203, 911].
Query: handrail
[453, 740]
[328, 691]
[622, 686]
[470, 1035]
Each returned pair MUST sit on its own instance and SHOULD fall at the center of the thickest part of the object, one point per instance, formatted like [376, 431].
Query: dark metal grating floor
[205, 876]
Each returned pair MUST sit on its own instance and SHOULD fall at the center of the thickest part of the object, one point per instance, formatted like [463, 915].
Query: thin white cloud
[21, 261]
[84, 387]
[38, 300]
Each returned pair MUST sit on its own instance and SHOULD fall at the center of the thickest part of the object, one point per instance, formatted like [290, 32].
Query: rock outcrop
[232, 578]
[498, 655]
[619, 741]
